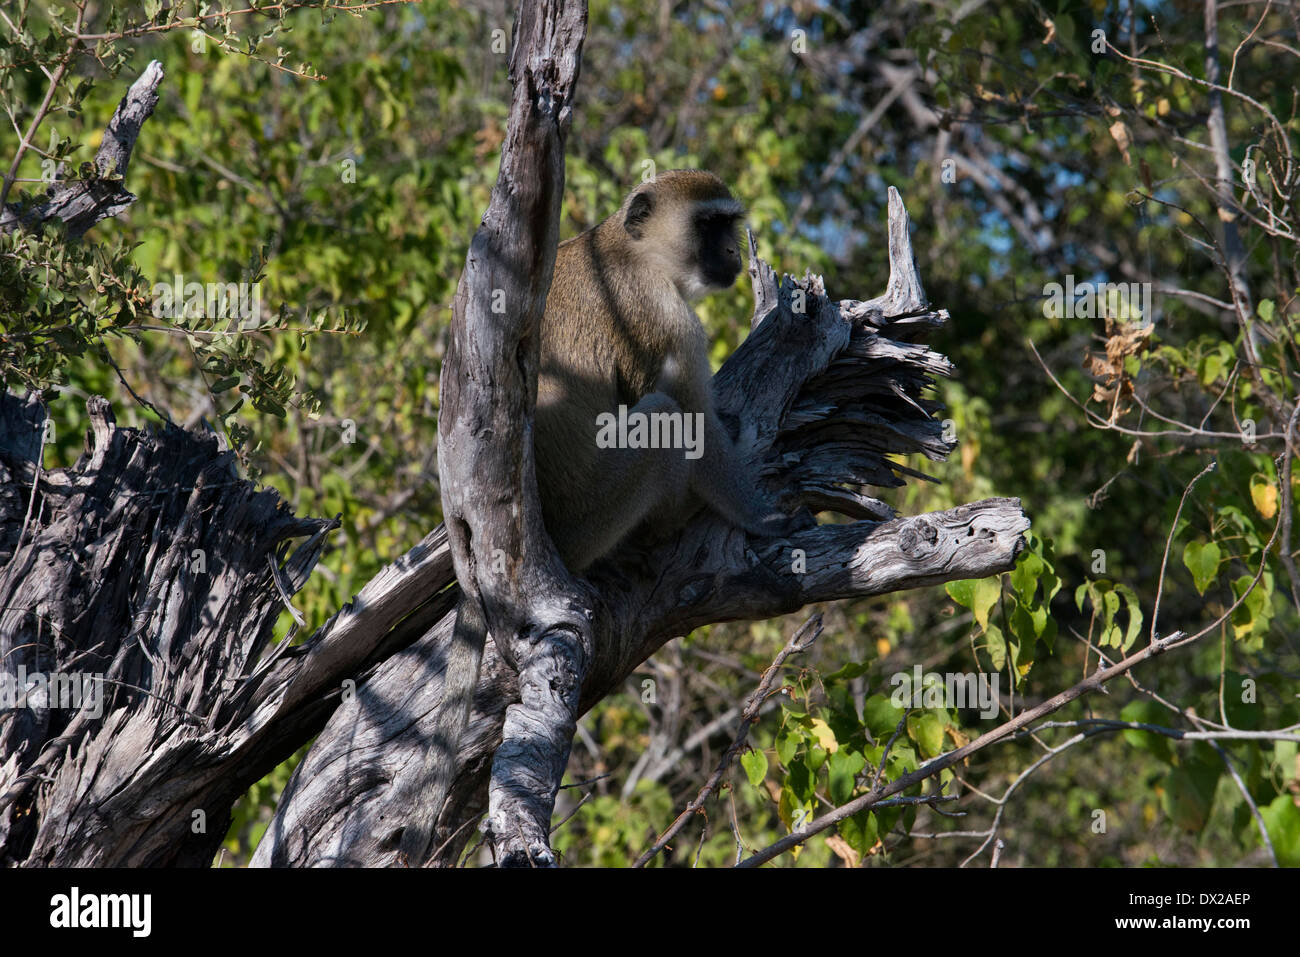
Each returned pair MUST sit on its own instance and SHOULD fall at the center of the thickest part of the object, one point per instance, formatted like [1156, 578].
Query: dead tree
[98, 574]
[819, 395]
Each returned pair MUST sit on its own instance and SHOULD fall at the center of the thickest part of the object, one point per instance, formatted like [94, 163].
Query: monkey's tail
[439, 767]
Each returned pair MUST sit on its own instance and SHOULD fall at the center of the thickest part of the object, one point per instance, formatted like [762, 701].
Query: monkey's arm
[721, 479]
[719, 476]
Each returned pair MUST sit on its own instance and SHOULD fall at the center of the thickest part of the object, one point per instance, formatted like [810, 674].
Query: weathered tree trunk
[150, 563]
[152, 575]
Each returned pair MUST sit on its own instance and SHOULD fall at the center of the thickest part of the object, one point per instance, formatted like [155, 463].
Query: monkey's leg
[719, 477]
[629, 485]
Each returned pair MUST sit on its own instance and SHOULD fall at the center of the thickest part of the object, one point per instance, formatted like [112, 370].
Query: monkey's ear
[638, 211]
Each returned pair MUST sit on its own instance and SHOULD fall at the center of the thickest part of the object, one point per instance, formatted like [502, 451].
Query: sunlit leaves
[1106, 599]
[1202, 560]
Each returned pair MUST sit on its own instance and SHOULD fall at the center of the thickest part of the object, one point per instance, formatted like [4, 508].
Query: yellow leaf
[825, 736]
[1264, 494]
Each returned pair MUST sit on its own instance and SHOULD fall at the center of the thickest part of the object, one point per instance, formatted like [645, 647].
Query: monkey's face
[682, 224]
[717, 250]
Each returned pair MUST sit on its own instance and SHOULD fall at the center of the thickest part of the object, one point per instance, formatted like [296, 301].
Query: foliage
[338, 155]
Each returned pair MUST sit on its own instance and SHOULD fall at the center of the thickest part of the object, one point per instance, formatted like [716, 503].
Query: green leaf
[755, 764]
[1145, 711]
[1038, 616]
[1211, 368]
[787, 744]
[1027, 624]
[1024, 578]
[1282, 821]
[881, 716]
[1134, 615]
[901, 760]
[927, 731]
[1022, 656]
[1110, 605]
[962, 592]
[1189, 792]
[996, 646]
[843, 717]
[854, 669]
[1202, 560]
[844, 768]
[801, 782]
[987, 593]
[1253, 614]
[816, 757]
[860, 830]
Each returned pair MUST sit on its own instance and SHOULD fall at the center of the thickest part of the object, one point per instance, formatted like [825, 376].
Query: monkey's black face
[717, 252]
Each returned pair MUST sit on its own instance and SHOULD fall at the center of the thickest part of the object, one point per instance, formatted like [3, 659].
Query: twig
[798, 642]
[1173, 530]
[866, 801]
[44, 108]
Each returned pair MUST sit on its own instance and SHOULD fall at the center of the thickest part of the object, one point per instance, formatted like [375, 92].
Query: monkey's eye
[716, 228]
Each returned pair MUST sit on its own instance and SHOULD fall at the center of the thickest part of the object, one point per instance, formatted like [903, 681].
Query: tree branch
[81, 203]
[1094, 682]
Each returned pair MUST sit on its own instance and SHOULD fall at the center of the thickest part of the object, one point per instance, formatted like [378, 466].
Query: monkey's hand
[722, 481]
[777, 524]
[800, 521]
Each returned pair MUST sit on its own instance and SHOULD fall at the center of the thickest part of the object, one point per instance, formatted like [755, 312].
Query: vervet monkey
[619, 330]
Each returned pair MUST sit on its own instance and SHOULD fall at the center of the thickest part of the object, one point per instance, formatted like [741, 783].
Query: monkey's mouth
[697, 287]
[715, 280]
